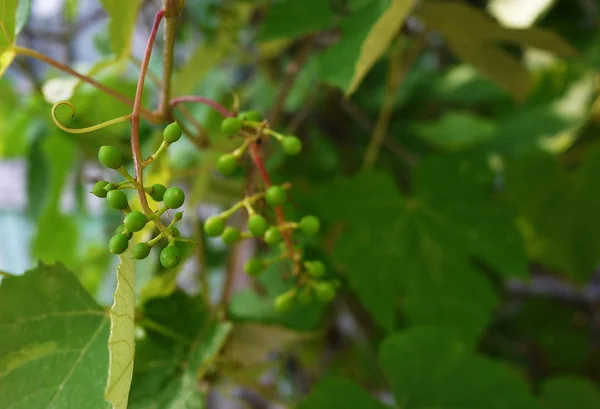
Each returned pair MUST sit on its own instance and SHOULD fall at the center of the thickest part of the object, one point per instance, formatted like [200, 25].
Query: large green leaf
[424, 243]
[23, 13]
[121, 342]
[294, 18]
[567, 392]
[53, 346]
[379, 39]
[122, 24]
[8, 26]
[339, 393]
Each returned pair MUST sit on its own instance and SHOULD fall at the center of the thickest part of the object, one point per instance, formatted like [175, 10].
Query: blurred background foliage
[482, 214]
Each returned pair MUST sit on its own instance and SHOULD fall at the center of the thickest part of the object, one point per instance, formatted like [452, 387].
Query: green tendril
[89, 128]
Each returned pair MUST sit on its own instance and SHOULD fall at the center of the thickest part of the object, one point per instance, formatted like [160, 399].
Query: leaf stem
[200, 100]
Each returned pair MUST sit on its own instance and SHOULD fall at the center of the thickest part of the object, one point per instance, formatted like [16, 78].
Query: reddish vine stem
[200, 100]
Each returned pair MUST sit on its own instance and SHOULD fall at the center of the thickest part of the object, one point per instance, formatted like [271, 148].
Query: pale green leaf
[569, 392]
[53, 346]
[121, 343]
[378, 40]
[456, 130]
[23, 13]
[8, 25]
[123, 15]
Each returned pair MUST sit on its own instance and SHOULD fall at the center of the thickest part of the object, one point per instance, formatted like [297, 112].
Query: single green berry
[140, 251]
[254, 267]
[122, 230]
[118, 243]
[291, 145]
[230, 235]
[315, 268]
[98, 189]
[273, 236]
[310, 225]
[231, 126]
[172, 133]
[109, 186]
[158, 191]
[253, 116]
[174, 198]
[170, 256]
[257, 225]
[325, 291]
[275, 195]
[135, 221]
[226, 164]
[110, 157]
[214, 226]
[175, 231]
[283, 302]
[117, 200]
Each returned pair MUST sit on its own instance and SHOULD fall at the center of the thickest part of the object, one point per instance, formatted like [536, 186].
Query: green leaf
[8, 25]
[122, 24]
[456, 130]
[181, 341]
[339, 393]
[430, 368]
[425, 243]
[23, 13]
[121, 342]
[295, 18]
[566, 392]
[458, 21]
[53, 346]
[379, 39]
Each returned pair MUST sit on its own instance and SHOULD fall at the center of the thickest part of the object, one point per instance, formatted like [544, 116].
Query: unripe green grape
[122, 230]
[325, 291]
[231, 126]
[117, 200]
[135, 221]
[170, 257]
[257, 225]
[275, 195]
[310, 225]
[140, 251]
[158, 191]
[172, 132]
[109, 186]
[253, 116]
[226, 164]
[118, 243]
[291, 145]
[254, 267]
[174, 198]
[315, 268]
[230, 235]
[273, 236]
[283, 302]
[110, 157]
[98, 189]
[175, 231]
[214, 226]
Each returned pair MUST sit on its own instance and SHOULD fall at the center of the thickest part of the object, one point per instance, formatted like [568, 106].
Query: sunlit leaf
[123, 16]
[23, 13]
[8, 26]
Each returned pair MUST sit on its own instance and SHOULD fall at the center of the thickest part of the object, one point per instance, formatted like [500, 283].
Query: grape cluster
[274, 231]
[135, 220]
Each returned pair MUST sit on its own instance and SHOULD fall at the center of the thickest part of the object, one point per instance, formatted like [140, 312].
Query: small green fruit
[98, 189]
[109, 186]
[135, 221]
[175, 231]
[158, 191]
[325, 291]
[170, 256]
[122, 230]
[226, 164]
[283, 302]
[291, 145]
[140, 251]
[275, 195]
[310, 225]
[273, 236]
[257, 225]
[253, 116]
[172, 133]
[214, 226]
[231, 126]
[110, 157]
[254, 267]
[174, 198]
[315, 268]
[118, 243]
[230, 235]
[117, 200]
